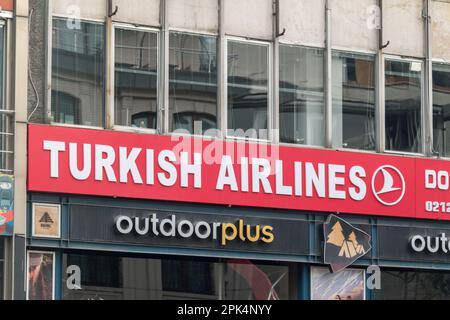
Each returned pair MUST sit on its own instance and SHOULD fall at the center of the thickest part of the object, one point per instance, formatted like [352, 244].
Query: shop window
[193, 83]
[403, 94]
[302, 96]
[413, 285]
[78, 73]
[188, 276]
[248, 89]
[136, 79]
[441, 109]
[353, 101]
[106, 277]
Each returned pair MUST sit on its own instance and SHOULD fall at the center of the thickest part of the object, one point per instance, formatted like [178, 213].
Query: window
[6, 115]
[136, 80]
[403, 106]
[302, 96]
[248, 89]
[106, 277]
[193, 83]
[413, 285]
[441, 109]
[353, 101]
[78, 73]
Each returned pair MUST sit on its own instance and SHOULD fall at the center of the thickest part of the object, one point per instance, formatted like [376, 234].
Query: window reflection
[441, 109]
[403, 106]
[301, 96]
[414, 285]
[353, 101]
[248, 89]
[193, 82]
[78, 73]
[107, 277]
[136, 62]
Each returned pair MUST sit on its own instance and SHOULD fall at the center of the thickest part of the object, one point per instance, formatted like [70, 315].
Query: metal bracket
[112, 13]
[385, 45]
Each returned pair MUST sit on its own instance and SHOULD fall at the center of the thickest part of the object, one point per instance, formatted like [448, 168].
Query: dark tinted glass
[441, 109]
[78, 73]
[136, 63]
[193, 83]
[301, 96]
[403, 106]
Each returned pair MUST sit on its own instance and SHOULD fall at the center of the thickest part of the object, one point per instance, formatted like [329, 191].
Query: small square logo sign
[46, 221]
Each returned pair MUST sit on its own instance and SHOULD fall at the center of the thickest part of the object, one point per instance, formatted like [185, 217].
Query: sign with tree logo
[344, 244]
[46, 220]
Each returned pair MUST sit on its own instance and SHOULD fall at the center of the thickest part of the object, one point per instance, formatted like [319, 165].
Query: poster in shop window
[348, 284]
[6, 205]
[41, 276]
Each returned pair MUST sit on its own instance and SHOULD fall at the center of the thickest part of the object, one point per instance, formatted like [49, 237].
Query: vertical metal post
[221, 74]
[328, 78]
[163, 89]
[274, 133]
[109, 103]
[48, 58]
[428, 99]
[380, 89]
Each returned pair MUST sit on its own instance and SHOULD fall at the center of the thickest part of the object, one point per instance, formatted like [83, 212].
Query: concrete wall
[440, 13]
[37, 48]
[349, 25]
[249, 18]
[304, 22]
[200, 15]
[137, 11]
[403, 27]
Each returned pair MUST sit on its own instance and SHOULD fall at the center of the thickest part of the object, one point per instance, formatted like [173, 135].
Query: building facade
[224, 149]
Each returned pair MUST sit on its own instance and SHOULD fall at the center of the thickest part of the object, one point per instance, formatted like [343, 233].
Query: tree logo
[344, 244]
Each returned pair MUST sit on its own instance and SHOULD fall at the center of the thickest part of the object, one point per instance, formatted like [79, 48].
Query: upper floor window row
[192, 106]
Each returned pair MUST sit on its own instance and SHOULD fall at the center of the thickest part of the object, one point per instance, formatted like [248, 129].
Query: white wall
[94, 9]
[138, 11]
[249, 18]
[198, 15]
[440, 14]
[349, 24]
[304, 22]
[403, 26]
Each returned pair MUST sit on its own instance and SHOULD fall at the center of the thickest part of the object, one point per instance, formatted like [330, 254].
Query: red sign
[7, 5]
[127, 165]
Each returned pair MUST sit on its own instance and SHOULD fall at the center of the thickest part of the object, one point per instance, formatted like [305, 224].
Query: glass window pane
[441, 109]
[78, 73]
[136, 63]
[413, 285]
[112, 277]
[248, 89]
[403, 106]
[193, 83]
[301, 96]
[353, 101]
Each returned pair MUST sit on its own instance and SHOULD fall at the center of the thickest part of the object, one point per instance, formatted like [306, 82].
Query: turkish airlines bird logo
[388, 185]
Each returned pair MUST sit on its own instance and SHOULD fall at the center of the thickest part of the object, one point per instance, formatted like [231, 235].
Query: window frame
[219, 108]
[366, 53]
[422, 152]
[304, 146]
[270, 90]
[111, 74]
[49, 70]
[433, 62]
